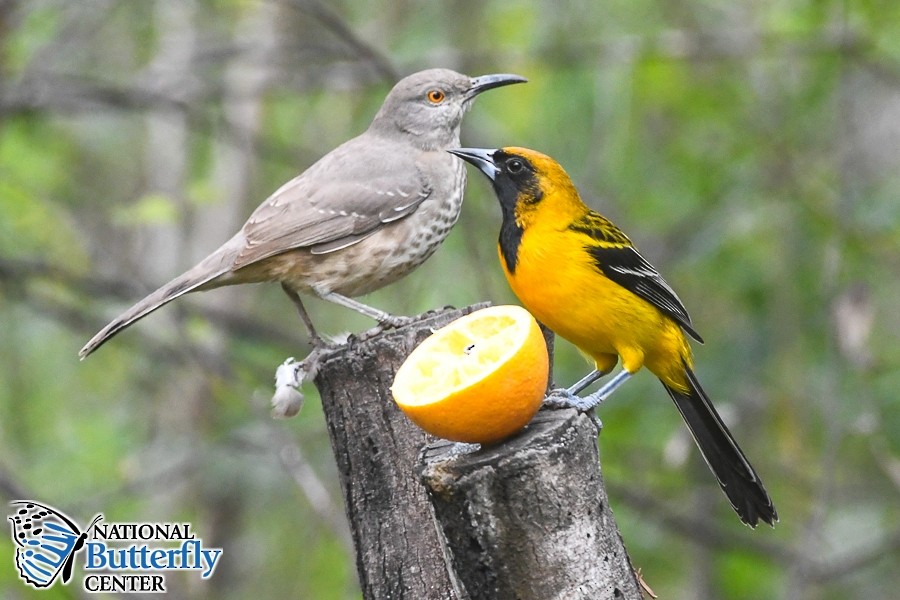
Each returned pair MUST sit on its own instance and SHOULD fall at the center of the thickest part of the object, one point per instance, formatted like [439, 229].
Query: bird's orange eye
[435, 96]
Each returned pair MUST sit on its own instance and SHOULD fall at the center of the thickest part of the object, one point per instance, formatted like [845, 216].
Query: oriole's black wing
[616, 257]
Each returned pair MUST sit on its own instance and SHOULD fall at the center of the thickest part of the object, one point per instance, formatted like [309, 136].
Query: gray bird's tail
[213, 266]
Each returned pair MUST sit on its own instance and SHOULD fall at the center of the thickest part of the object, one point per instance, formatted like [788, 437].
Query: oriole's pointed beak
[488, 82]
[482, 158]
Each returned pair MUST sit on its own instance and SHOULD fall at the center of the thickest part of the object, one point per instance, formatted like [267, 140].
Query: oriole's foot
[562, 398]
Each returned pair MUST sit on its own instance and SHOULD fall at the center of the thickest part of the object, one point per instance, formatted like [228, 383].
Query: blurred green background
[750, 149]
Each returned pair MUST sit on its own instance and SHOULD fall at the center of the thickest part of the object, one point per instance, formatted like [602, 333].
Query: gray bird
[363, 216]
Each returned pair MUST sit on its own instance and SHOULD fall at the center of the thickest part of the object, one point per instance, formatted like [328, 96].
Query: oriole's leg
[585, 381]
[562, 398]
[589, 402]
[382, 317]
[568, 398]
[304, 316]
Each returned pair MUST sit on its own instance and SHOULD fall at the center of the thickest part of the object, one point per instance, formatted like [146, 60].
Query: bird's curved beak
[482, 158]
[488, 82]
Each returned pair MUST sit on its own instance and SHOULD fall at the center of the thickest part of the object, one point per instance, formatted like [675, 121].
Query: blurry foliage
[750, 150]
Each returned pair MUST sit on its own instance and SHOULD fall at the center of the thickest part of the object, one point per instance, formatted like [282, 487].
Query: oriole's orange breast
[557, 280]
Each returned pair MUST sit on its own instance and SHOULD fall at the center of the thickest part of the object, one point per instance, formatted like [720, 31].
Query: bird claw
[386, 322]
[394, 321]
[562, 398]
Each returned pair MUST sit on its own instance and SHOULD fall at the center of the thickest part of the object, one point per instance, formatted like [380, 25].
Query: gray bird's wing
[333, 205]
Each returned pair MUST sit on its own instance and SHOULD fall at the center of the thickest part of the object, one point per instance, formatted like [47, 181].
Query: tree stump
[529, 519]
[524, 519]
[398, 549]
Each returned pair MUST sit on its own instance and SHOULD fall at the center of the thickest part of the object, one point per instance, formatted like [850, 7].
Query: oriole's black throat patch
[510, 238]
[515, 183]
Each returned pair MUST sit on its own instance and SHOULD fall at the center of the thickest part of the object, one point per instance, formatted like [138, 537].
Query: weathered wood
[529, 519]
[526, 519]
[398, 549]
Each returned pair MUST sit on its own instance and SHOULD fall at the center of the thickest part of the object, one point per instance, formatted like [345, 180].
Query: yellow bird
[581, 276]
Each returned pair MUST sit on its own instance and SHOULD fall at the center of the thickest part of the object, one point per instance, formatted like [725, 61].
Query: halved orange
[479, 379]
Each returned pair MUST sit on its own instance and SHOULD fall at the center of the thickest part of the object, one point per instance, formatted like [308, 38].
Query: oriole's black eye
[514, 165]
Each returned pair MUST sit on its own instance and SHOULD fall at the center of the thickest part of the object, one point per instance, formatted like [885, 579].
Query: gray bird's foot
[394, 321]
[385, 322]
[317, 341]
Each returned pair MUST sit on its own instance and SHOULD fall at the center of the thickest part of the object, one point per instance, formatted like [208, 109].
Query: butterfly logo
[47, 541]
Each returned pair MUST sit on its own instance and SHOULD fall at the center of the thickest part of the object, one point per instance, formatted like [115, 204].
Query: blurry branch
[706, 533]
[42, 93]
[36, 90]
[702, 531]
[276, 440]
[19, 272]
[329, 509]
[856, 560]
[11, 489]
[333, 21]
[46, 93]
[154, 480]
[64, 93]
[44, 87]
[886, 461]
[722, 44]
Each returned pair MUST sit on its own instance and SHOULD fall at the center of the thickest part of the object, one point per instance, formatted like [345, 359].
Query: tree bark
[526, 519]
[398, 550]
[529, 519]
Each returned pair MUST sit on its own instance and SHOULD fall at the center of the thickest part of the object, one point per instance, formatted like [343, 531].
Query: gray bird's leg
[606, 391]
[304, 316]
[383, 318]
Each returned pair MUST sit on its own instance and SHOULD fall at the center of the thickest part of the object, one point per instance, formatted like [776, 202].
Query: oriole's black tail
[736, 476]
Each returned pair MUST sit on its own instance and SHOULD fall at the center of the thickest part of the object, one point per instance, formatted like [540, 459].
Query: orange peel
[480, 379]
